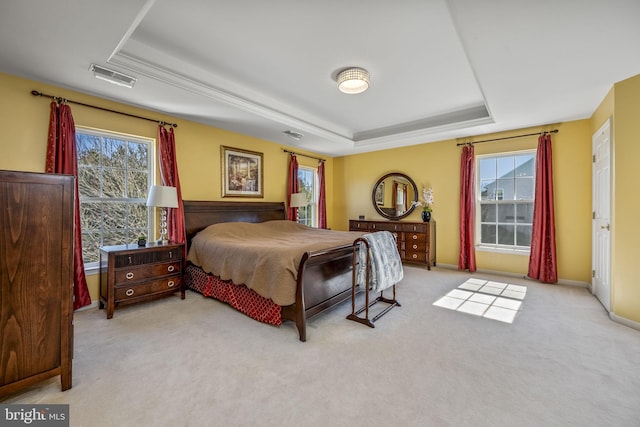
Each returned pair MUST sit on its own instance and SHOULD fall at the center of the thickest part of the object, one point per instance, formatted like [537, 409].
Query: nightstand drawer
[147, 257]
[135, 274]
[167, 284]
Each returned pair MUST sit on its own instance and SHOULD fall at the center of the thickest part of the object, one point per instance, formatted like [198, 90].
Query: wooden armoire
[36, 278]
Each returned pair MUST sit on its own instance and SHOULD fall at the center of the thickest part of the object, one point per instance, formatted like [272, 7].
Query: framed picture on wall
[242, 173]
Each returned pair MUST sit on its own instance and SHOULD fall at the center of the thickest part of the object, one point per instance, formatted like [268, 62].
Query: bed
[323, 277]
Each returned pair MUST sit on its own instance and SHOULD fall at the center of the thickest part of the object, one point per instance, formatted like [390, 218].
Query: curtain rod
[508, 137]
[304, 155]
[58, 98]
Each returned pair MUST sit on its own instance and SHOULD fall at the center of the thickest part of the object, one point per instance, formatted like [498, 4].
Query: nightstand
[130, 274]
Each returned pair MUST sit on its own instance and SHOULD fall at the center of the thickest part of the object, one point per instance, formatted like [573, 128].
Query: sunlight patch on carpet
[485, 298]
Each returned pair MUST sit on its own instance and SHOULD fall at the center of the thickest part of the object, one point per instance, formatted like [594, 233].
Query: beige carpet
[197, 362]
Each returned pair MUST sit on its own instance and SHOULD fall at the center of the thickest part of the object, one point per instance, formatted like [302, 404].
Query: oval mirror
[393, 195]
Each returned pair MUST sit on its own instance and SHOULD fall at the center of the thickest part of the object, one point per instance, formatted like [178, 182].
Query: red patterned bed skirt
[239, 297]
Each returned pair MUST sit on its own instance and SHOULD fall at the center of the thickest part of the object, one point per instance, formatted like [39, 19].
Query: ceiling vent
[293, 135]
[112, 76]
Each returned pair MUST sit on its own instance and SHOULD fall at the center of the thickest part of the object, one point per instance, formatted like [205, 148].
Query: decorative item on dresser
[131, 274]
[416, 240]
[36, 279]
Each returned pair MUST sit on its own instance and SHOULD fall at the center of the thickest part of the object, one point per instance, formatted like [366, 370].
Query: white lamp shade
[161, 196]
[298, 200]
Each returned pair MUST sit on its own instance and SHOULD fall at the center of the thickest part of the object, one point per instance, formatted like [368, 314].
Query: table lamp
[162, 197]
[298, 200]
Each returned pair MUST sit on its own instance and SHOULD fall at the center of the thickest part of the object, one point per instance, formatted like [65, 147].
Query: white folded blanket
[386, 265]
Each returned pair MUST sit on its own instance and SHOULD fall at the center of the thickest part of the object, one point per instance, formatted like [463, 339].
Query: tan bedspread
[263, 256]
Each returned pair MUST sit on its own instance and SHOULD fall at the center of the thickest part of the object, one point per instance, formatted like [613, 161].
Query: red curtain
[170, 178]
[62, 158]
[542, 261]
[292, 186]
[394, 198]
[467, 257]
[322, 198]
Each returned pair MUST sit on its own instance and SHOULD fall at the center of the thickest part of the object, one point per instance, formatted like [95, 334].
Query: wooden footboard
[324, 280]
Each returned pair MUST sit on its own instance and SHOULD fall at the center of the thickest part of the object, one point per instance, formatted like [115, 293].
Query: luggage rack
[380, 298]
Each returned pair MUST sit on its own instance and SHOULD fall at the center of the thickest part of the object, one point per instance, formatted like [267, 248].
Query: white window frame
[497, 247]
[312, 207]
[93, 267]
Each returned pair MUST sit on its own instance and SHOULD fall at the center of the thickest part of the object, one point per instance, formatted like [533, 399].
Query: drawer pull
[415, 237]
[415, 246]
[130, 292]
[415, 256]
[129, 276]
[171, 268]
[171, 284]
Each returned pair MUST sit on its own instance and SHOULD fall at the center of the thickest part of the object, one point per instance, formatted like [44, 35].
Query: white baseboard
[93, 304]
[624, 321]
[519, 276]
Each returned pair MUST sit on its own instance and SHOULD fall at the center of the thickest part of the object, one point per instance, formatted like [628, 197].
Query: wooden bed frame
[324, 277]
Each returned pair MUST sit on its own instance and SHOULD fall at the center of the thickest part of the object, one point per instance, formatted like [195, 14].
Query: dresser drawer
[416, 228]
[134, 290]
[416, 240]
[416, 246]
[412, 238]
[135, 274]
[386, 226]
[147, 257]
[358, 226]
[416, 256]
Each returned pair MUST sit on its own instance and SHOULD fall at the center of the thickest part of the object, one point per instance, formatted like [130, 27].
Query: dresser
[131, 274]
[416, 240]
[36, 279]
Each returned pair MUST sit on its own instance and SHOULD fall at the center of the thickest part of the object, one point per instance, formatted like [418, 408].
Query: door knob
[605, 227]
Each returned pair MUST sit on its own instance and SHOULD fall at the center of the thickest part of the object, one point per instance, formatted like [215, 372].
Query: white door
[601, 227]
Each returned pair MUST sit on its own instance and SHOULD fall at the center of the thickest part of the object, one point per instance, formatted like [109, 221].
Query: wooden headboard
[200, 214]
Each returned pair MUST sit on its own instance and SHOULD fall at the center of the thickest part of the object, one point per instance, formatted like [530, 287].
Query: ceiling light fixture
[112, 76]
[353, 80]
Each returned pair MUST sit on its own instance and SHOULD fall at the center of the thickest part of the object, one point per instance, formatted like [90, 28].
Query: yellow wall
[437, 165]
[26, 117]
[626, 203]
[350, 179]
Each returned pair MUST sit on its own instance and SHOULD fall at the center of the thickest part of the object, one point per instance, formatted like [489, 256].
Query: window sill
[91, 270]
[503, 250]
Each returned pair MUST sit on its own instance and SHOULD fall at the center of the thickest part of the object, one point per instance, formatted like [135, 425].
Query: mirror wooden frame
[375, 196]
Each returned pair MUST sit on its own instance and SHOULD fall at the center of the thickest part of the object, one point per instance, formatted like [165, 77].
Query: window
[505, 191]
[114, 174]
[307, 184]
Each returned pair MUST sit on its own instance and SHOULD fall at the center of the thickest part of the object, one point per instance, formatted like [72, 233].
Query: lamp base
[163, 240]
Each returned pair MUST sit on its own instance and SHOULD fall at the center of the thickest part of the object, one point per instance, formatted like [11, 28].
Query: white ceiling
[439, 68]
